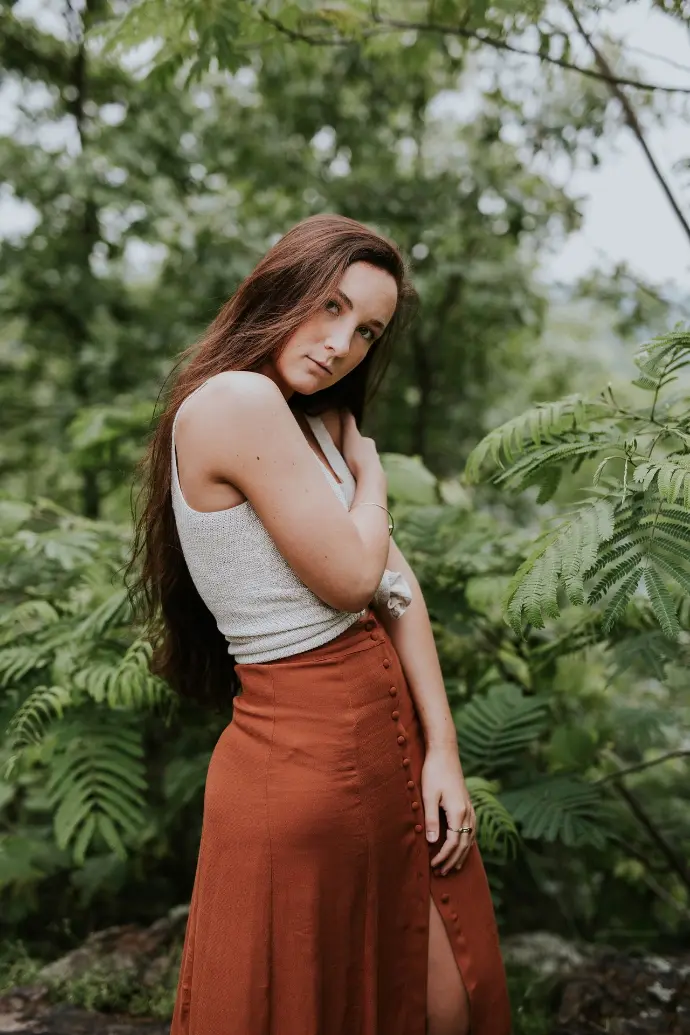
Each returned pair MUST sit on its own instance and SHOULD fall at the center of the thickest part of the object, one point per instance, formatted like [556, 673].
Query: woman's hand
[444, 785]
[359, 452]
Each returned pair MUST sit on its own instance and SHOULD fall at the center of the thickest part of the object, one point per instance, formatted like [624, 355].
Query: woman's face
[331, 343]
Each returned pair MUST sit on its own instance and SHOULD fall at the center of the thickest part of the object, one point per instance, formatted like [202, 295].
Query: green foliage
[496, 829]
[550, 713]
[109, 991]
[498, 726]
[65, 654]
[532, 1001]
[562, 557]
[144, 222]
[100, 988]
[17, 966]
[636, 531]
[560, 808]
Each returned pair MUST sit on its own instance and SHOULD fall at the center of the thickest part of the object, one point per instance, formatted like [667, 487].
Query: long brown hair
[291, 283]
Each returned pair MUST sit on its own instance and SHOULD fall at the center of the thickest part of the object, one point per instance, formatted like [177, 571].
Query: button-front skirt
[310, 908]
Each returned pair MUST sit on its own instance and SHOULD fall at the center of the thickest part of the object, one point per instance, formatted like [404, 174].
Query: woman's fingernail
[431, 835]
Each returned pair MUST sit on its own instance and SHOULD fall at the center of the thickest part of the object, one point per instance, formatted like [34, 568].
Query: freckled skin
[340, 336]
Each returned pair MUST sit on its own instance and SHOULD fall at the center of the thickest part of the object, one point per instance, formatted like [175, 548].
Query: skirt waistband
[366, 632]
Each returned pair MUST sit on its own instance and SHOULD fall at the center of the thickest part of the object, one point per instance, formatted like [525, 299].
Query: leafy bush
[560, 729]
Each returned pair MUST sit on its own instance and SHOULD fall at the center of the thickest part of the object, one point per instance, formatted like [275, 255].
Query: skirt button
[445, 897]
[410, 785]
[406, 762]
[369, 625]
[453, 916]
[386, 663]
[395, 714]
[392, 691]
[418, 827]
[415, 805]
[401, 739]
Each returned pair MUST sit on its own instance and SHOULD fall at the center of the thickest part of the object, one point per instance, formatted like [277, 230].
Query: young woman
[339, 889]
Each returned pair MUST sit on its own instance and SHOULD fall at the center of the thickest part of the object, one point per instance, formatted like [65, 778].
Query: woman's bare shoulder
[231, 396]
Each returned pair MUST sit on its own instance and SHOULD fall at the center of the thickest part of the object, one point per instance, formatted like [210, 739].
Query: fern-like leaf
[496, 829]
[27, 618]
[496, 728]
[540, 425]
[620, 600]
[563, 558]
[112, 612]
[661, 601]
[672, 477]
[658, 359]
[41, 708]
[559, 808]
[128, 683]
[17, 662]
[96, 780]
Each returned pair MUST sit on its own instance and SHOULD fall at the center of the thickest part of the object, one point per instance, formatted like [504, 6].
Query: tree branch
[675, 862]
[639, 766]
[630, 116]
[386, 25]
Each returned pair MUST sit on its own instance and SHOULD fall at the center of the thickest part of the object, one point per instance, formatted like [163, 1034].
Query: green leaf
[661, 601]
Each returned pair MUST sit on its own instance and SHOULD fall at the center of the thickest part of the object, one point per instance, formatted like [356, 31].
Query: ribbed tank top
[262, 608]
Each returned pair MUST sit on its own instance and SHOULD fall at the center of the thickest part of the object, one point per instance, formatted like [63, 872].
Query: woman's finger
[430, 801]
[449, 845]
[458, 857]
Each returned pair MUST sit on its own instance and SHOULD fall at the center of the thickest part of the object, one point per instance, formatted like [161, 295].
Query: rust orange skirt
[310, 908]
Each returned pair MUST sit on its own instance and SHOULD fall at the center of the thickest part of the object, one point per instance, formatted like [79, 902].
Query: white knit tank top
[260, 605]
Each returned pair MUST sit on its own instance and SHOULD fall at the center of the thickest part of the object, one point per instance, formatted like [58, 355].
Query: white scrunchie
[394, 592]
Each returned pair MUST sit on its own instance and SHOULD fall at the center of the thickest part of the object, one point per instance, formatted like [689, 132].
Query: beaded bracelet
[391, 522]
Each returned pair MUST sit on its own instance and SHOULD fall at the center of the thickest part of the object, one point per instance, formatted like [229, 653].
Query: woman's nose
[339, 342]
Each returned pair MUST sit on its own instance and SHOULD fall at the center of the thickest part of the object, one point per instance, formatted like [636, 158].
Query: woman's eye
[367, 330]
[333, 302]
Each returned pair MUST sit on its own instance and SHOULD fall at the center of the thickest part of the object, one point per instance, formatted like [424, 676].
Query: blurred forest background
[156, 152]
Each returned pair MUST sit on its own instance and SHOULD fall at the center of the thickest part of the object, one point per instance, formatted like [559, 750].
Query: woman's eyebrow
[348, 303]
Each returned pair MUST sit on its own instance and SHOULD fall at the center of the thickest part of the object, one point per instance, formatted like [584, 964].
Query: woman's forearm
[372, 523]
[413, 640]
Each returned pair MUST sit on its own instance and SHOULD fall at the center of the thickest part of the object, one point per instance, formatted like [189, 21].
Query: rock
[599, 989]
[128, 950]
[146, 955]
[543, 952]
[68, 1020]
[604, 990]
[627, 995]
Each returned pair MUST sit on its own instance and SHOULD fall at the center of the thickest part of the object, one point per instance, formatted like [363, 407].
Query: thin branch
[639, 766]
[676, 863]
[557, 29]
[386, 25]
[630, 116]
[637, 854]
[654, 294]
[665, 895]
[660, 57]
[605, 75]
[314, 41]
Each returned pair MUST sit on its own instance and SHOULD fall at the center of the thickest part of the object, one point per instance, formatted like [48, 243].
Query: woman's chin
[305, 384]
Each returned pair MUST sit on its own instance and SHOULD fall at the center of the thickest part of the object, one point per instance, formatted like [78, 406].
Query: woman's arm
[413, 640]
[238, 430]
[442, 782]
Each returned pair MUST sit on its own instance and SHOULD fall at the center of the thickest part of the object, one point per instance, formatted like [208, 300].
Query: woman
[339, 889]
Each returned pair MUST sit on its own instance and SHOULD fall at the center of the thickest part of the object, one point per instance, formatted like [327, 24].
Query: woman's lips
[321, 367]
